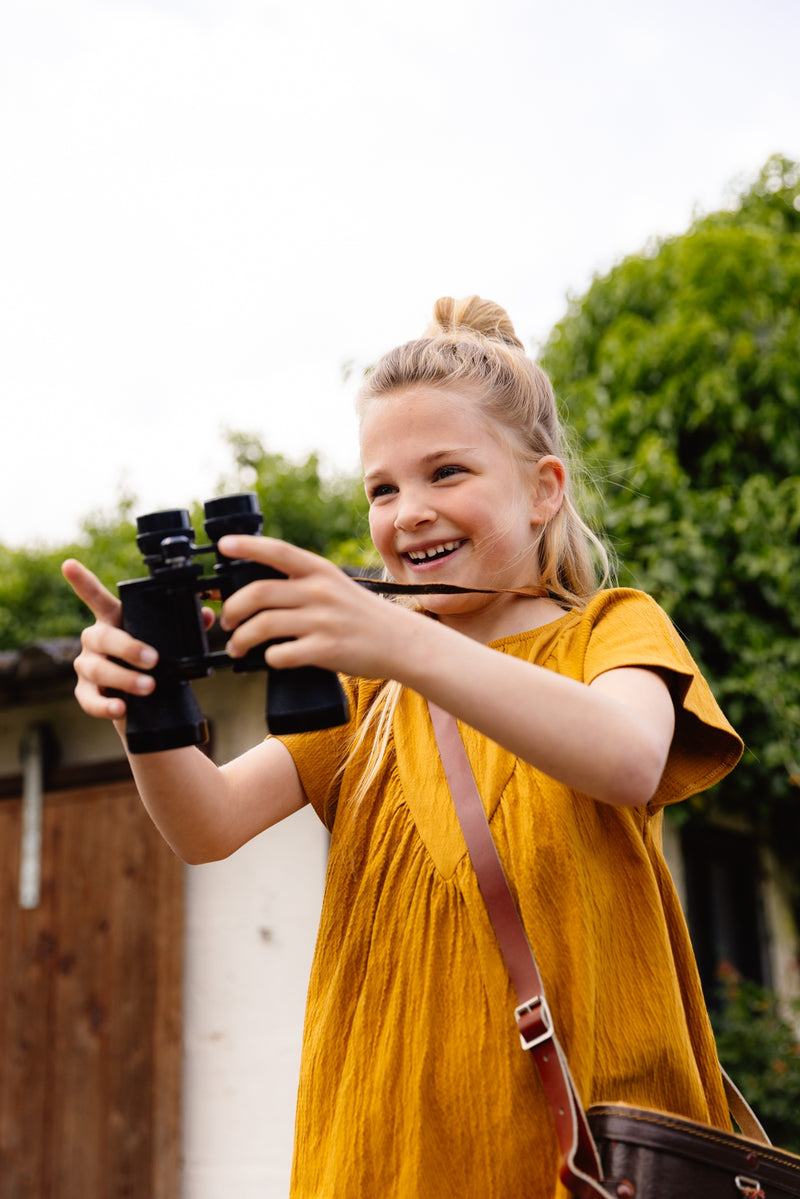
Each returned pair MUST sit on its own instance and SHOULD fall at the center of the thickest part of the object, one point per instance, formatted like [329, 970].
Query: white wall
[250, 929]
[251, 924]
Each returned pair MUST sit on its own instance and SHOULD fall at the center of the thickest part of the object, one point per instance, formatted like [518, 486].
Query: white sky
[209, 207]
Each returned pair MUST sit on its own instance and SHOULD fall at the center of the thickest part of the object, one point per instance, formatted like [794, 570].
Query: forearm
[583, 736]
[184, 793]
[205, 812]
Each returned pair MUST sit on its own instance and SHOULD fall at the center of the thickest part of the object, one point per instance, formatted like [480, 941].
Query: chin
[452, 605]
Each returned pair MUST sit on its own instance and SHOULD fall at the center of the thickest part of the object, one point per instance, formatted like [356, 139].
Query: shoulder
[613, 601]
[624, 627]
[617, 627]
[623, 615]
[620, 621]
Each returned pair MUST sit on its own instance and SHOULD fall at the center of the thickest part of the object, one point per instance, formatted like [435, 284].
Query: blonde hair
[471, 343]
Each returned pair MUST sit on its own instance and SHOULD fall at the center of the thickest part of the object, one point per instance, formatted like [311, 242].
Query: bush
[758, 1046]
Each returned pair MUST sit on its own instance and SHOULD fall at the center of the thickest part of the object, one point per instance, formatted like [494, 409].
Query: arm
[203, 811]
[609, 739]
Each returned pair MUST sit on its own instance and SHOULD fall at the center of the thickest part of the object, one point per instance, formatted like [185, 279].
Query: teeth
[446, 547]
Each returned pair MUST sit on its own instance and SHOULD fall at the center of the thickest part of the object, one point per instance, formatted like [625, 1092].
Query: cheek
[379, 527]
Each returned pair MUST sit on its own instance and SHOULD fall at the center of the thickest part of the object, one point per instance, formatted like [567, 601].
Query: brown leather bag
[612, 1151]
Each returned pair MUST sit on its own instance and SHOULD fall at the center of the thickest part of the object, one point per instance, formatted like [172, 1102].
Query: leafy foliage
[757, 1045]
[299, 504]
[35, 602]
[680, 370]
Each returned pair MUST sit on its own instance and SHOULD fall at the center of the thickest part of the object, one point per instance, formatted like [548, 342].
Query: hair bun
[473, 315]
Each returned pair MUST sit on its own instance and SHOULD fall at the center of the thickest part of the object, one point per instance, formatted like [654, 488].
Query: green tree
[757, 1045]
[680, 372]
[35, 602]
[299, 502]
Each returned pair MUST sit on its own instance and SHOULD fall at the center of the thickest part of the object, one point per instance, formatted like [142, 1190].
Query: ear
[547, 491]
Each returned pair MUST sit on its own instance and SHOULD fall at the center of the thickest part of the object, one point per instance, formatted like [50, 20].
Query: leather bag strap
[742, 1112]
[580, 1165]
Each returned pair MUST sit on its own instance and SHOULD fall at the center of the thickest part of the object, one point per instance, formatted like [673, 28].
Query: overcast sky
[209, 208]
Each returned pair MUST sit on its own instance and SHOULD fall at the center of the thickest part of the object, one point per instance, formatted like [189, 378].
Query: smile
[434, 551]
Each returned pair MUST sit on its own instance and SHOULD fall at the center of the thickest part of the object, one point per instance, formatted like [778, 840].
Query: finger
[91, 591]
[271, 551]
[102, 708]
[254, 598]
[94, 703]
[322, 623]
[269, 597]
[264, 626]
[105, 640]
[209, 616]
[105, 674]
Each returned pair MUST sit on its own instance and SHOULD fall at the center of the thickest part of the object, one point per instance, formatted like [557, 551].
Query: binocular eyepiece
[165, 611]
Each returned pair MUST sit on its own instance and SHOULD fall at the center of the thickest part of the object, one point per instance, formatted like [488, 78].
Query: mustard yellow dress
[413, 1083]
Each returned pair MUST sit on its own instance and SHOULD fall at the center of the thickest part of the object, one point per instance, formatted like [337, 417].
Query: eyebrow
[427, 459]
[456, 453]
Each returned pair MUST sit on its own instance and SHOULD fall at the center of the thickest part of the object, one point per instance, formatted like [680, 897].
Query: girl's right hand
[100, 643]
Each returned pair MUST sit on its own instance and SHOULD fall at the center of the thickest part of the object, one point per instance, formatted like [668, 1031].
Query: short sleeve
[320, 757]
[628, 628]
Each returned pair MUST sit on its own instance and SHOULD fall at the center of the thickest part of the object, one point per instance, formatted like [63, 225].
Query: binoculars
[165, 611]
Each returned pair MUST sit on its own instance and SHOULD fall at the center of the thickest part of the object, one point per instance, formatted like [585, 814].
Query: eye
[379, 490]
[447, 472]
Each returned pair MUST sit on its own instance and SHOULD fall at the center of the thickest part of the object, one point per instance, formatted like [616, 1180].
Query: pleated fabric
[413, 1082]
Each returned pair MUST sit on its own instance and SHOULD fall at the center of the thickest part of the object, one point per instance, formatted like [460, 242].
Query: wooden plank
[132, 989]
[168, 1025]
[25, 1048]
[90, 1010]
[79, 1012]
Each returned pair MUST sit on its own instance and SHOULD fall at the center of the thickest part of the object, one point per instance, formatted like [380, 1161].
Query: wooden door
[90, 1004]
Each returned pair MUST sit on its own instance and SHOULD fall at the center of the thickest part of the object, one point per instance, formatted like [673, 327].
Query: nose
[412, 511]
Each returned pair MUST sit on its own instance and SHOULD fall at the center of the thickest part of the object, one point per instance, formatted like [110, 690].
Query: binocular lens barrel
[232, 514]
[165, 611]
[155, 527]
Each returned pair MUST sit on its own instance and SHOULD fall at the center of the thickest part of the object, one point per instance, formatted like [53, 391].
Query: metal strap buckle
[749, 1187]
[538, 1004]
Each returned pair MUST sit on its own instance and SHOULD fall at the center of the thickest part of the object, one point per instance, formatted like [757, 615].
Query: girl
[583, 715]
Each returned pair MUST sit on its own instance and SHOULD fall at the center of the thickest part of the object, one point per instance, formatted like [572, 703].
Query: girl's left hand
[332, 621]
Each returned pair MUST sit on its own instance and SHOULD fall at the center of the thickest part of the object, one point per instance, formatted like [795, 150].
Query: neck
[513, 613]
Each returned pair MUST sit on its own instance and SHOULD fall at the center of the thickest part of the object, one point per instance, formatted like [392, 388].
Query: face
[450, 503]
